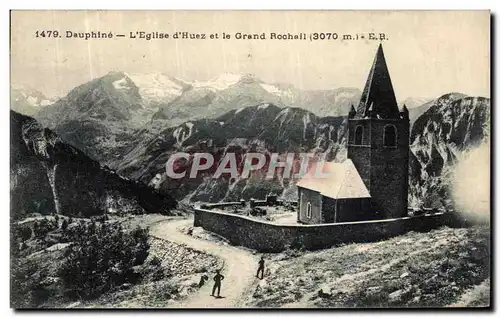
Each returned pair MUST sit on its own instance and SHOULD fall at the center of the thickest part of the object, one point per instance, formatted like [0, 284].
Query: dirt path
[239, 267]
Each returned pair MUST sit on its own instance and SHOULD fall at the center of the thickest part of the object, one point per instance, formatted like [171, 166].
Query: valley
[89, 169]
[132, 123]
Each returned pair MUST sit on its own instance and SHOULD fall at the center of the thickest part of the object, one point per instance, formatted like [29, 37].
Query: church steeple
[379, 143]
[378, 99]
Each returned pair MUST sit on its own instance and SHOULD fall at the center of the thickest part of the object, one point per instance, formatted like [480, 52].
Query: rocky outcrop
[180, 260]
[265, 129]
[452, 126]
[50, 176]
[100, 117]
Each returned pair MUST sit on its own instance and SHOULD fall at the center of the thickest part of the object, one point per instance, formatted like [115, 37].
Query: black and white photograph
[250, 159]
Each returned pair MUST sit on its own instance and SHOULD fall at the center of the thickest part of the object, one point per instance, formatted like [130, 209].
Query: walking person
[261, 268]
[217, 283]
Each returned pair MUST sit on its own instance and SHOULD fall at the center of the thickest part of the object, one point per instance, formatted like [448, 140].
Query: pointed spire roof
[378, 94]
[352, 111]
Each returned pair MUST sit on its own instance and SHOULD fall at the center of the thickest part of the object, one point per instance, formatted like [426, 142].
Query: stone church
[373, 182]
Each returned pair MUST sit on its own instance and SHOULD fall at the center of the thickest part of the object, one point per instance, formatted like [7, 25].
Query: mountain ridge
[105, 116]
[49, 176]
[100, 118]
[258, 128]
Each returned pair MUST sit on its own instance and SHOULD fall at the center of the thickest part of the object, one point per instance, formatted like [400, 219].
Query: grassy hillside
[444, 267]
[60, 262]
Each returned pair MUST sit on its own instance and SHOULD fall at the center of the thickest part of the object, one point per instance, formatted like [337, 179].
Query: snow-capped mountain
[157, 88]
[209, 99]
[134, 122]
[221, 82]
[212, 98]
[108, 115]
[27, 100]
[169, 101]
[99, 117]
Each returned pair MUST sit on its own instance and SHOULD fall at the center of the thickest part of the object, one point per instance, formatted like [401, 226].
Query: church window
[302, 201]
[390, 136]
[309, 210]
[358, 135]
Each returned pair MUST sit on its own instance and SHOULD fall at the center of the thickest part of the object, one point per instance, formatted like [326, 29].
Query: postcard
[250, 159]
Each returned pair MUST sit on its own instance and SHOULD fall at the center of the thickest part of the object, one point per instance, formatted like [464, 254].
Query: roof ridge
[343, 181]
[345, 177]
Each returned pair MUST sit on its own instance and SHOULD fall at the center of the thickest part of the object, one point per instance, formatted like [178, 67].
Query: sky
[429, 53]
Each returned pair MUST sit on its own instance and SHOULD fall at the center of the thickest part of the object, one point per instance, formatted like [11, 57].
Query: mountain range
[167, 97]
[27, 100]
[265, 128]
[452, 125]
[134, 122]
[104, 117]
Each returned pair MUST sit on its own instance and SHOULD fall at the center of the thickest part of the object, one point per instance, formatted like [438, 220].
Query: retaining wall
[221, 205]
[269, 237]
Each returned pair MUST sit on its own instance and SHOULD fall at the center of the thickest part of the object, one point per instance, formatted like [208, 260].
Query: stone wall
[269, 237]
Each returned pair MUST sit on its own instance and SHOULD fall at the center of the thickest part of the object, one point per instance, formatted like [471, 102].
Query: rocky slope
[108, 115]
[100, 117]
[433, 269]
[49, 176]
[265, 128]
[453, 125]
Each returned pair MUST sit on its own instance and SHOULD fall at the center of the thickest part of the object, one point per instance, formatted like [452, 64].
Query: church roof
[378, 99]
[343, 181]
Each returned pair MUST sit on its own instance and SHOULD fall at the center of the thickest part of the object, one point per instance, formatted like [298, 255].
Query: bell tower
[378, 142]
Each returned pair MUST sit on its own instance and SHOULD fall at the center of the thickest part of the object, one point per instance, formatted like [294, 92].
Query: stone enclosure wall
[269, 237]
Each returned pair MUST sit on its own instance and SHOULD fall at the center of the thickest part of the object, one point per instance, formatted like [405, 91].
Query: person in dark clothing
[217, 279]
[203, 279]
[261, 268]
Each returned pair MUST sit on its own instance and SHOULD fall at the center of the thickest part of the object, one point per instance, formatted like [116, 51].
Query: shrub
[64, 225]
[154, 269]
[43, 227]
[23, 232]
[28, 287]
[101, 258]
[141, 249]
